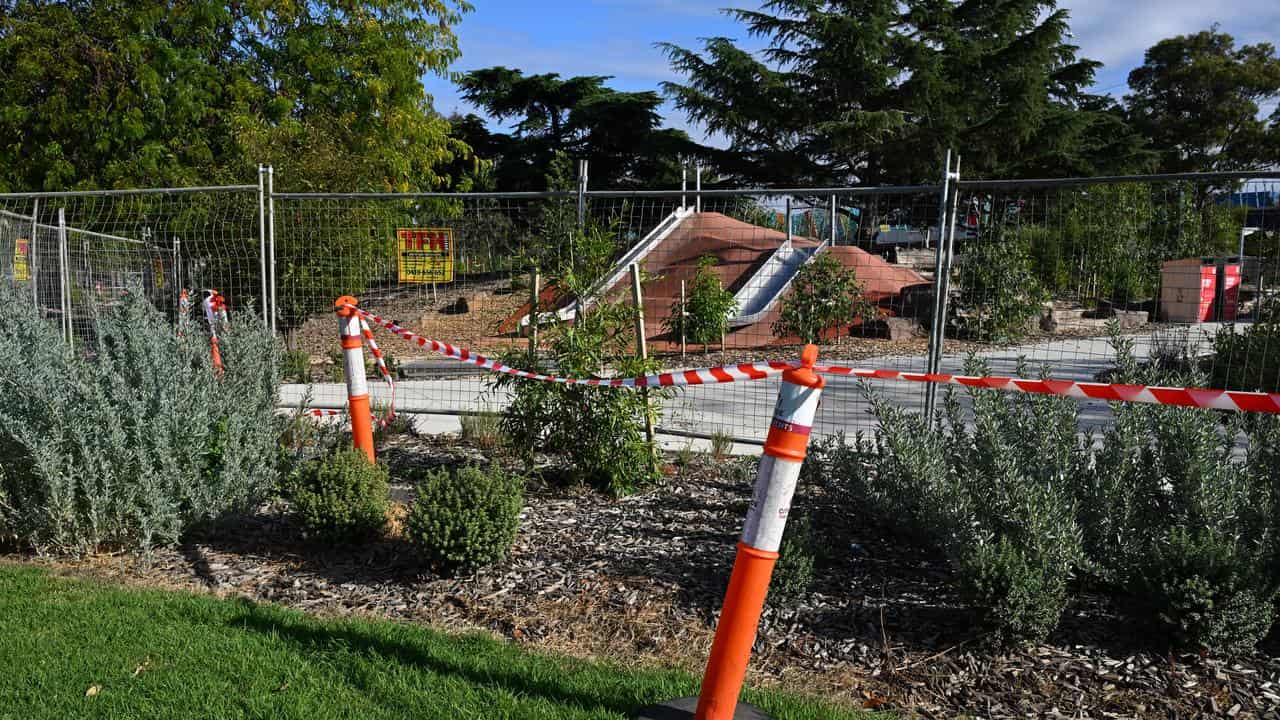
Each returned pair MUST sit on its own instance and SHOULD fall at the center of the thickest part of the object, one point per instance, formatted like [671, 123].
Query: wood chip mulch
[639, 580]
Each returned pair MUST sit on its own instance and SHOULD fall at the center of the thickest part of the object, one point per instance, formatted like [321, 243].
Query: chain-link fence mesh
[1037, 275]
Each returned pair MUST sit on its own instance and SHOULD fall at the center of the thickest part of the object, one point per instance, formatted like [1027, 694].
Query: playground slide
[763, 289]
[636, 254]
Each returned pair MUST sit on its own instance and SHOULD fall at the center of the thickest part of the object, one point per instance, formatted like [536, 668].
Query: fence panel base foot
[684, 709]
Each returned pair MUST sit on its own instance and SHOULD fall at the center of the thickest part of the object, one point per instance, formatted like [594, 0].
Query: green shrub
[341, 497]
[999, 293]
[994, 500]
[482, 429]
[600, 432]
[132, 447]
[465, 521]
[793, 572]
[1249, 359]
[1187, 533]
[703, 317]
[1208, 590]
[296, 366]
[304, 437]
[823, 295]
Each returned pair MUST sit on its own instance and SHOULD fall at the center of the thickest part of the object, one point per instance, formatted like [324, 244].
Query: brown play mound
[740, 248]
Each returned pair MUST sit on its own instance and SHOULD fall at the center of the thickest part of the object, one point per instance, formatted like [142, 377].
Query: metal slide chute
[762, 290]
[636, 254]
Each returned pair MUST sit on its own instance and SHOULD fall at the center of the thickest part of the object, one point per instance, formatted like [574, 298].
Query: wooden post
[643, 348]
[683, 315]
[534, 291]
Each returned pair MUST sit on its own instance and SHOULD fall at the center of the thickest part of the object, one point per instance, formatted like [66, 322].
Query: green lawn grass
[155, 654]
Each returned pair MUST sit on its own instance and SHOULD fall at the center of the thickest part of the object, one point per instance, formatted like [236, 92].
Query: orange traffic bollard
[215, 313]
[353, 363]
[784, 452]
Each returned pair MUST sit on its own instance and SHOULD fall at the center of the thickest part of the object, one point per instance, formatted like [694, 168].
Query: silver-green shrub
[1173, 511]
[131, 445]
[1181, 525]
[993, 497]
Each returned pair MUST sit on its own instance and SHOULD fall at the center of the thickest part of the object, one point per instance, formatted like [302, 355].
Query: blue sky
[616, 37]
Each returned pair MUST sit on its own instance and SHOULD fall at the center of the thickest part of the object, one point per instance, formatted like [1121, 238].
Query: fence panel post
[833, 221]
[949, 258]
[937, 325]
[697, 186]
[684, 183]
[582, 209]
[64, 274]
[262, 245]
[271, 241]
[535, 279]
[178, 289]
[32, 255]
[784, 452]
[683, 315]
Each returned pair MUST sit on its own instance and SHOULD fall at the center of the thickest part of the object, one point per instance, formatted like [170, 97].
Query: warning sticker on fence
[21, 265]
[426, 255]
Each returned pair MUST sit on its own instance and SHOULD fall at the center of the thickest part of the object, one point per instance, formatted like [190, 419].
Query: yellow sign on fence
[21, 265]
[426, 255]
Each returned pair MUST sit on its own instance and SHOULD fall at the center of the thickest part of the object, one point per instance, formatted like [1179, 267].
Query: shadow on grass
[478, 660]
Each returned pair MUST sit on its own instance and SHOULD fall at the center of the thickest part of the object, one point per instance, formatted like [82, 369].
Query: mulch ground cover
[640, 579]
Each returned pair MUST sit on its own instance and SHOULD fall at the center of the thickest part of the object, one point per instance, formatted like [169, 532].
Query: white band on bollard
[353, 357]
[776, 483]
[770, 503]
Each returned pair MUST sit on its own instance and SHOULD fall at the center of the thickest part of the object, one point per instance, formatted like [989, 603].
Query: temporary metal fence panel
[90, 246]
[1045, 272]
[453, 268]
[762, 245]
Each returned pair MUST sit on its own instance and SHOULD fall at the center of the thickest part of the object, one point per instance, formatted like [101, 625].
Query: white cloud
[1118, 33]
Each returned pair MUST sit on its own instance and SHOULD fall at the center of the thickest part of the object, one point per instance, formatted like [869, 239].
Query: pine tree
[581, 116]
[875, 91]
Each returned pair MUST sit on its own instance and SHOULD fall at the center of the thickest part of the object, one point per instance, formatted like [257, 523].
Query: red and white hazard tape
[382, 370]
[1111, 392]
[702, 376]
[1233, 400]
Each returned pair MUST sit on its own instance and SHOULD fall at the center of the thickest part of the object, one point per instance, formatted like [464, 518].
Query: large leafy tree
[112, 93]
[875, 91]
[1198, 99]
[619, 132]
